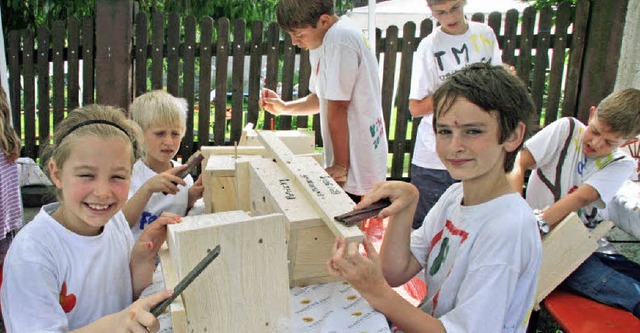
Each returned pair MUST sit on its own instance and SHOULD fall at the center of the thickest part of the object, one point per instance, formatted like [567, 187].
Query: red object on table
[581, 315]
[414, 290]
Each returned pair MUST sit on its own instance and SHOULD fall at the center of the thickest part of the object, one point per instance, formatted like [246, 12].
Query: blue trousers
[610, 279]
[431, 183]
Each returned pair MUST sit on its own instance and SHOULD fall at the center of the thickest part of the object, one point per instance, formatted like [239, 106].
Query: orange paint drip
[149, 245]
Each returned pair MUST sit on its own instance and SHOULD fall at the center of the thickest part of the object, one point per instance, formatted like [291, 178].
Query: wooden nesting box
[219, 165]
[245, 289]
[565, 248]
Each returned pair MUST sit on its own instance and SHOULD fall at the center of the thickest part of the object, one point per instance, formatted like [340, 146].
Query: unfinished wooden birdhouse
[245, 289]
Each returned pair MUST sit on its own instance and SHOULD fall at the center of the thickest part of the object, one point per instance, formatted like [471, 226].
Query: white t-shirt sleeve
[610, 179]
[424, 73]
[342, 71]
[544, 146]
[496, 59]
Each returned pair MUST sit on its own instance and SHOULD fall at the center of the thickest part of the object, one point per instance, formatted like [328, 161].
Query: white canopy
[398, 12]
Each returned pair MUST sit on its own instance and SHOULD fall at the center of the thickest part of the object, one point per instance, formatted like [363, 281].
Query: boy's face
[162, 143]
[94, 181]
[451, 17]
[598, 140]
[467, 142]
[310, 38]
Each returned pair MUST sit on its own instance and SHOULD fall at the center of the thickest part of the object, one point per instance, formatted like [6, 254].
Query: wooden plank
[271, 190]
[142, 41]
[188, 68]
[303, 84]
[173, 54]
[400, 144]
[255, 69]
[495, 22]
[204, 101]
[526, 44]
[563, 21]
[576, 58]
[510, 38]
[88, 74]
[222, 56]
[228, 296]
[73, 73]
[565, 248]
[113, 52]
[541, 65]
[324, 194]
[388, 74]
[286, 86]
[13, 60]
[237, 84]
[273, 42]
[58, 38]
[178, 315]
[298, 141]
[477, 17]
[29, 96]
[44, 119]
[219, 179]
[157, 50]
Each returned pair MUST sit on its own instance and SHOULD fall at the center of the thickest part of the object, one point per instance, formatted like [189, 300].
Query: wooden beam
[324, 194]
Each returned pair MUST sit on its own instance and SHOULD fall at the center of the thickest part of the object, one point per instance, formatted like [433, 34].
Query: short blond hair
[621, 111]
[158, 107]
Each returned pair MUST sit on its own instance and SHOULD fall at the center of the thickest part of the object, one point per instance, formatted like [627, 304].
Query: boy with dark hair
[345, 90]
[577, 167]
[479, 246]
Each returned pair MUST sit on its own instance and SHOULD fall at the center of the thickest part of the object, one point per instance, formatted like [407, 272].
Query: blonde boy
[577, 167]
[155, 188]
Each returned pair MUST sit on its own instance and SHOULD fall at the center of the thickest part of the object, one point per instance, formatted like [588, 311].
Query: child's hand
[364, 273]
[338, 173]
[166, 182]
[138, 318]
[271, 102]
[195, 192]
[402, 195]
[152, 237]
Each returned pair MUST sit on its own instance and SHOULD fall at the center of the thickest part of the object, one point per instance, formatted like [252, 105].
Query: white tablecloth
[331, 307]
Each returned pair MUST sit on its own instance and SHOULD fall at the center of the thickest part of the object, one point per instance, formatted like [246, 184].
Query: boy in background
[155, 188]
[454, 44]
[345, 90]
[479, 246]
[579, 168]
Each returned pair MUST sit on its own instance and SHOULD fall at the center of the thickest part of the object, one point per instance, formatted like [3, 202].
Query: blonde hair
[96, 121]
[621, 111]
[9, 140]
[159, 107]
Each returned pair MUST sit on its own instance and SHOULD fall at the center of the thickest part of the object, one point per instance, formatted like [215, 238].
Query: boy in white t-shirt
[155, 188]
[580, 168]
[345, 90]
[454, 44]
[479, 246]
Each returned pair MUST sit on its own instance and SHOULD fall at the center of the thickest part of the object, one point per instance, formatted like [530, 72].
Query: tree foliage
[27, 14]
[537, 4]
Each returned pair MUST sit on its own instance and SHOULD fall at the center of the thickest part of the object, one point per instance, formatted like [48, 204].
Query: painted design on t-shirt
[477, 42]
[68, 302]
[377, 132]
[146, 219]
[448, 238]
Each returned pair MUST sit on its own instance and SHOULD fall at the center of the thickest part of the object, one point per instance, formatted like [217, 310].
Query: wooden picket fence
[45, 67]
